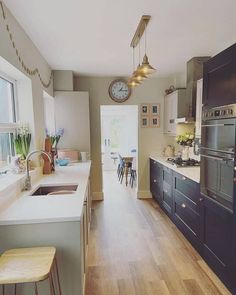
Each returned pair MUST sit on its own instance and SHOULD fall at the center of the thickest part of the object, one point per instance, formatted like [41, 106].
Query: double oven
[218, 165]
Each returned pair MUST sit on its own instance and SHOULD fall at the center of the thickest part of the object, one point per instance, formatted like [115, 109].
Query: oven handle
[217, 158]
[217, 125]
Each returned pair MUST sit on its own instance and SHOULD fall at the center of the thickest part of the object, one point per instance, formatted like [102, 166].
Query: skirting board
[98, 196]
[144, 195]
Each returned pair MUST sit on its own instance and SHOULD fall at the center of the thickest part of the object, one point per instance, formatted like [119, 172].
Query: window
[7, 119]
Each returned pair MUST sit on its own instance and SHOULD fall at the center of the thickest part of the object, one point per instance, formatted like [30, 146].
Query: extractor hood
[194, 73]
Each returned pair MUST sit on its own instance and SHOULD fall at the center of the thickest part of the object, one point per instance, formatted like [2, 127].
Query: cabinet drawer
[187, 187]
[187, 212]
[167, 175]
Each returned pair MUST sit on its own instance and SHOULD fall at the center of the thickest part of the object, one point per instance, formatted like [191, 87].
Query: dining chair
[133, 174]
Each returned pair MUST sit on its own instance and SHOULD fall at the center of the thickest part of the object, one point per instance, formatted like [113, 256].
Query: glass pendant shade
[145, 67]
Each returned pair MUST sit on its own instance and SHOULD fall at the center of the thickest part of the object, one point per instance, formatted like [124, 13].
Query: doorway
[119, 145]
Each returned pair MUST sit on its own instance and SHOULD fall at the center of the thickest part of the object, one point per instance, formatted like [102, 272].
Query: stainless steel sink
[55, 190]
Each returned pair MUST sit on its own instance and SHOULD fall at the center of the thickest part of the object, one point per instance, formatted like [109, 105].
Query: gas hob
[179, 162]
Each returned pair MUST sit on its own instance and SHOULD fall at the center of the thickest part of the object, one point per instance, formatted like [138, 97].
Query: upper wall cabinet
[72, 114]
[199, 108]
[176, 106]
[219, 75]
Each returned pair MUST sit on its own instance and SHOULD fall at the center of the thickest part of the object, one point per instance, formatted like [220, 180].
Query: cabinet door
[186, 212]
[167, 106]
[217, 234]
[219, 76]
[199, 108]
[173, 111]
[156, 180]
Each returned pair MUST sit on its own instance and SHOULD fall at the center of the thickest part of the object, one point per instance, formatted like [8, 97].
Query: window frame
[12, 127]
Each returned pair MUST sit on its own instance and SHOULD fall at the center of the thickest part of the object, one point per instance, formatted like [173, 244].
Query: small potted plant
[186, 140]
[22, 141]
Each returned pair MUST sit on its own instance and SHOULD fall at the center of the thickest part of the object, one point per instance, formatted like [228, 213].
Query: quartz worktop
[192, 173]
[26, 209]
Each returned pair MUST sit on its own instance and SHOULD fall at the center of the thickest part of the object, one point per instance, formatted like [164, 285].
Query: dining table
[127, 158]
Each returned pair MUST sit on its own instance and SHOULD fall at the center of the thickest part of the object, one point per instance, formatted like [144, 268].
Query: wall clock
[119, 91]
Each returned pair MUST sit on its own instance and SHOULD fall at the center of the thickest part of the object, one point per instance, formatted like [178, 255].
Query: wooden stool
[29, 265]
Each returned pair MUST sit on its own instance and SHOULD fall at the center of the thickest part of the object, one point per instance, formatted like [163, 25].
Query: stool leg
[36, 289]
[52, 290]
[15, 289]
[58, 279]
[3, 289]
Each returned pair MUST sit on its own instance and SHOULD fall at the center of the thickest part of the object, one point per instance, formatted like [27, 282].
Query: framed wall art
[145, 109]
[155, 121]
[155, 109]
[145, 121]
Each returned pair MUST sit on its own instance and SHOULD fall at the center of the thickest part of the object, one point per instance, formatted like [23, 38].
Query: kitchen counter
[26, 209]
[192, 173]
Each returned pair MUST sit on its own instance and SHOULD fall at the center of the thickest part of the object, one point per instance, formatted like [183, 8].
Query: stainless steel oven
[218, 154]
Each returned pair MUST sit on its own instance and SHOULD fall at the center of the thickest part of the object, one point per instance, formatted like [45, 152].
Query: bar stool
[29, 265]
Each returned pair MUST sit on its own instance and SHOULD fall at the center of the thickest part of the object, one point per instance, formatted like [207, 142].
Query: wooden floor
[136, 250]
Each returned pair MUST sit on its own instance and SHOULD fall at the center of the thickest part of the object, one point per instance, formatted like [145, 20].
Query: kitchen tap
[27, 185]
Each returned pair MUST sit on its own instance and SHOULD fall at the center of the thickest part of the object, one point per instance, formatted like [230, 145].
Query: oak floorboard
[135, 249]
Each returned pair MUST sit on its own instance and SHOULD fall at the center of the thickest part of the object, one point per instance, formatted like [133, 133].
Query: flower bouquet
[185, 139]
[22, 141]
[55, 137]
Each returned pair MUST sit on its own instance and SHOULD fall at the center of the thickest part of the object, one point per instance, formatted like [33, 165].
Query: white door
[107, 158]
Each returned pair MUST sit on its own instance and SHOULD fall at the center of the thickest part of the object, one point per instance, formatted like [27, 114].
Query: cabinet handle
[165, 191]
[183, 178]
[183, 205]
[154, 180]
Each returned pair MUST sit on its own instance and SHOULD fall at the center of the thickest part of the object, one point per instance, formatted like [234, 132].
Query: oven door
[219, 135]
[217, 177]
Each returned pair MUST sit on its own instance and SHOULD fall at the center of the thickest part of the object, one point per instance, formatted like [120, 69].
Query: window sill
[11, 180]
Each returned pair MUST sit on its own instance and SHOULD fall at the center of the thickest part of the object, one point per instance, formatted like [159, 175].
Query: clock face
[119, 91]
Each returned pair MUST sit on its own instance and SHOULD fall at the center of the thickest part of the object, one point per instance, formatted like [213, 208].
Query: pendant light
[134, 81]
[146, 68]
[136, 74]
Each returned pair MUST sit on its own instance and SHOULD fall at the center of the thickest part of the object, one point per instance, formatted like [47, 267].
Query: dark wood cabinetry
[219, 76]
[167, 196]
[207, 225]
[156, 184]
[186, 212]
[217, 238]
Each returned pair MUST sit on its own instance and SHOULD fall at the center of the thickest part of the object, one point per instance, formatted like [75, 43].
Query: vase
[185, 153]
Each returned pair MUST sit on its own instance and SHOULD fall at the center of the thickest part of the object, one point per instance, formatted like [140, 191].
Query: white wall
[150, 139]
[32, 58]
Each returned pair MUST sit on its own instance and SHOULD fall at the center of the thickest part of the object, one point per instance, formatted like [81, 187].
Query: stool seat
[26, 265]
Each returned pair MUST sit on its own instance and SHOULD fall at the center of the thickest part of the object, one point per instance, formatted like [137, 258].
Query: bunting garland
[29, 71]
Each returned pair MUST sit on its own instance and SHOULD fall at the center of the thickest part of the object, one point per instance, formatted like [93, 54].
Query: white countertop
[190, 172]
[27, 209]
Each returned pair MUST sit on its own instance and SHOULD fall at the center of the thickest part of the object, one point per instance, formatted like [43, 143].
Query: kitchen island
[60, 220]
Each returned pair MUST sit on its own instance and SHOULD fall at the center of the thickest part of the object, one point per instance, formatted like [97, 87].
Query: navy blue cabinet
[209, 227]
[156, 185]
[219, 75]
[186, 209]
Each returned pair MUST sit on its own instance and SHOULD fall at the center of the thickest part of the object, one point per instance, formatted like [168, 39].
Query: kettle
[169, 151]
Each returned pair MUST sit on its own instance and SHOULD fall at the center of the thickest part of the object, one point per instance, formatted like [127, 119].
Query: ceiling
[93, 37]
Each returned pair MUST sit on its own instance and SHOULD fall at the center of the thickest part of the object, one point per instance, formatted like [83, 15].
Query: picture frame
[145, 109]
[145, 121]
[155, 121]
[155, 109]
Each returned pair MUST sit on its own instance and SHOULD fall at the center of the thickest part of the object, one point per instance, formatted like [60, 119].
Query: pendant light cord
[145, 37]
[133, 60]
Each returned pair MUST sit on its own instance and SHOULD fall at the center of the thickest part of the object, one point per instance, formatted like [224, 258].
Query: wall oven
[218, 155]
